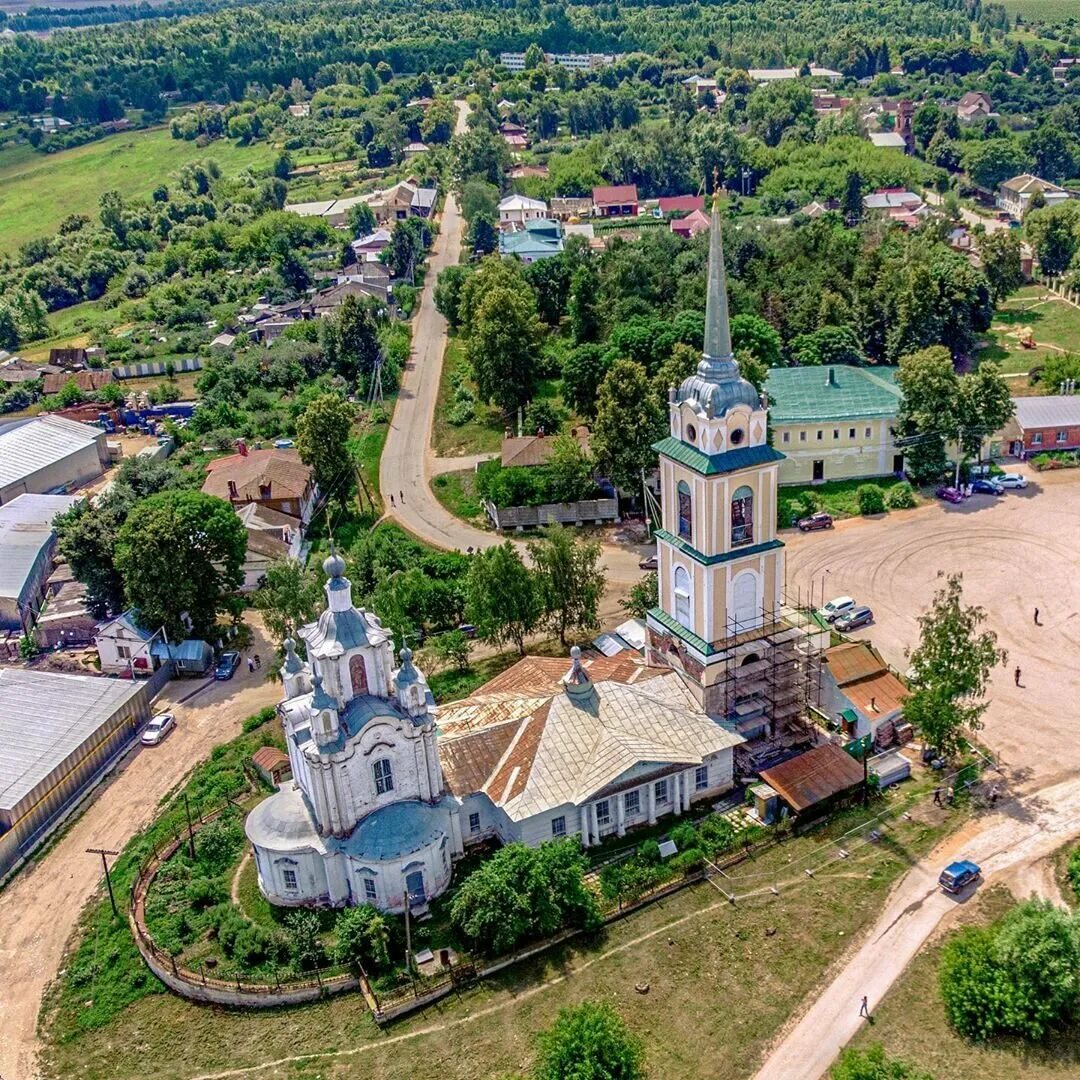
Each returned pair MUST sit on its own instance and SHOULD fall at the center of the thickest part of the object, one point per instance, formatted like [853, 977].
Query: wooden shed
[273, 764]
[816, 780]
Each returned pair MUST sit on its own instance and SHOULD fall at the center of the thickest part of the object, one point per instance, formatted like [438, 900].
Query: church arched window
[742, 517]
[686, 512]
[682, 596]
[384, 776]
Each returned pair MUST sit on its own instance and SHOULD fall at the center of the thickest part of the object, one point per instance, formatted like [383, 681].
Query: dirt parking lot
[39, 909]
[1017, 552]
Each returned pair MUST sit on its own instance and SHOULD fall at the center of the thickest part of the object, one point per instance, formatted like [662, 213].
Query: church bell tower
[721, 566]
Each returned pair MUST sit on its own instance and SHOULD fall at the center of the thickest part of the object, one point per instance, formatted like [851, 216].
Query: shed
[811, 782]
[272, 764]
[889, 768]
[192, 657]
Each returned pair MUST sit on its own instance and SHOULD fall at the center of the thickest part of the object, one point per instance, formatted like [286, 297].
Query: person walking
[401, 496]
[1016, 676]
[1036, 616]
[258, 662]
[391, 500]
[251, 664]
[864, 1008]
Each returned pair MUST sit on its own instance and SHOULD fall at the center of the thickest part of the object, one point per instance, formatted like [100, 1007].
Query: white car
[157, 729]
[836, 607]
[1012, 480]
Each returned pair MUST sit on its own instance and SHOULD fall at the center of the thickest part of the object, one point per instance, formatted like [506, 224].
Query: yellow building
[834, 422]
[721, 619]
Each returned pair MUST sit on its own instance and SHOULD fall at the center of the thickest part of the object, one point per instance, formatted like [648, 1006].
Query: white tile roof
[1052, 411]
[27, 446]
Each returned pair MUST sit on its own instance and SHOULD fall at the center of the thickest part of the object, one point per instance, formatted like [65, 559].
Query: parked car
[814, 522]
[959, 875]
[950, 494]
[468, 630]
[652, 562]
[987, 487]
[836, 607]
[227, 665]
[1012, 480]
[856, 617]
[157, 729]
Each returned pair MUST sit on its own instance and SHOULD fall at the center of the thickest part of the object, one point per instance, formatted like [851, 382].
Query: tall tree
[501, 597]
[951, 669]
[181, 553]
[350, 339]
[929, 392]
[502, 346]
[288, 598]
[570, 580]
[984, 405]
[589, 1041]
[585, 321]
[629, 419]
[999, 252]
[322, 441]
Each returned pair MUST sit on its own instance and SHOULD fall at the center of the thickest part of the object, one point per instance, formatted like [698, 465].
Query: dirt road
[1009, 846]
[39, 909]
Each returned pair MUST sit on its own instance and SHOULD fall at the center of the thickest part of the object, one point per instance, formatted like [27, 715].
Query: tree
[305, 945]
[288, 598]
[569, 470]
[322, 435]
[951, 669]
[1052, 152]
[408, 239]
[1018, 976]
[479, 154]
[827, 345]
[448, 293]
[351, 340]
[502, 346]
[999, 252]
[570, 580]
[501, 597]
[752, 334]
[585, 322]
[451, 649]
[925, 122]
[929, 392]
[361, 220]
[181, 553]
[984, 405]
[479, 198]
[780, 107]
[643, 597]
[363, 939]
[589, 1042]
[991, 161]
[523, 893]
[1054, 233]
[873, 1064]
[87, 539]
[483, 237]
[583, 369]
[629, 419]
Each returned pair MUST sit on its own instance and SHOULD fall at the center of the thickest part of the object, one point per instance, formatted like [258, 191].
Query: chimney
[831, 378]
[233, 494]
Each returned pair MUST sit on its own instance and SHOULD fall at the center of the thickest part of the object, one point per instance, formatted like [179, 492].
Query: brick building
[1042, 424]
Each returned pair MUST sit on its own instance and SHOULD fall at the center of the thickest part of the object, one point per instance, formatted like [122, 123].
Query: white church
[389, 790]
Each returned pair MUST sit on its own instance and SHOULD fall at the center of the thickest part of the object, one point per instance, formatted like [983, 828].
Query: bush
[1017, 976]
[256, 720]
[693, 858]
[649, 852]
[589, 1042]
[305, 947]
[717, 834]
[873, 1064]
[218, 844]
[871, 500]
[1073, 871]
[900, 496]
[684, 835]
[362, 937]
[204, 892]
[254, 946]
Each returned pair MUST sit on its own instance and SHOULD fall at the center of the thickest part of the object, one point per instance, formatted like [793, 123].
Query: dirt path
[234, 889]
[1011, 846]
[38, 911]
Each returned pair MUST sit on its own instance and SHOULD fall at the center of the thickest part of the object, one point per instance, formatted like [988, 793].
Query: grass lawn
[133, 163]
[911, 1023]
[722, 979]
[368, 448]
[457, 492]
[837, 497]
[1054, 323]
[483, 434]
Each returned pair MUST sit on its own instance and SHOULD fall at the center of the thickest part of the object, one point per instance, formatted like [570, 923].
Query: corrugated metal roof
[45, 717]
[25, 535]
[813, 777]
[27, 446]
[711, 464]
[832, 392]
[1052, 411]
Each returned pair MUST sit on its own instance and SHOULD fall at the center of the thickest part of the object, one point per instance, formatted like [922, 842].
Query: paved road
[1007, 845]
[408, 461]
[992, 224]
[38, 911]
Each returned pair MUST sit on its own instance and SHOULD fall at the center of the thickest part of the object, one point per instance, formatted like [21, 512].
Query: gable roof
[1052, 411]
[1027, 184]
[864, 678]
[280, 470]
[529, 450]
[813, 777]
[521, 202]
[88, 379]
[673, 204]
[27, 446]
[831, 392]
[614, 193]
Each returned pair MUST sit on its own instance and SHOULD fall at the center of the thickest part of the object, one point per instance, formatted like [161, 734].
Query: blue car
[959, 875]
[227, 665]
[987, 487]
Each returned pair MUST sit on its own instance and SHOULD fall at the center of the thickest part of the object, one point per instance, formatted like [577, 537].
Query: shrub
[204, 892]
[649, 852]
[362, 938]
[871, 500]
[254, 946]
[629, 879]
[900, 496]
[873, 1064]
[1074, 871]
[693, 858]
[256, 720]
[305, 947]
[717, 834]
[684, 835]
[1018, 976]
[589, 1042]
[218, 844]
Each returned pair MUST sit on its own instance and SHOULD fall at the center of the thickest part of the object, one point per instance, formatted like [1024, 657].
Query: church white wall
[536, 830]
[493, 821]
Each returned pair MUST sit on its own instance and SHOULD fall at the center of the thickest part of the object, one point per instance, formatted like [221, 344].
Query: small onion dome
[293, 663]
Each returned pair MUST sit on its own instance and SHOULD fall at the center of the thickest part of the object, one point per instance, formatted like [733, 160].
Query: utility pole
[105, 866]
[408, 940]
[190, 831]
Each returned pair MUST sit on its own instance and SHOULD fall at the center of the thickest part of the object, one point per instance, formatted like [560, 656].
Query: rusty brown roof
[852, 661]
[815, 776]
[529, 450]
[86, 380]
[469, 761]
[269, 757]
[281, 470]
[877, 695]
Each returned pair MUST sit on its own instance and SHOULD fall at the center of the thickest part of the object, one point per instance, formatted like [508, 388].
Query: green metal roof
[810, 395]
[711, 464]
[670, 623]
[712, 560]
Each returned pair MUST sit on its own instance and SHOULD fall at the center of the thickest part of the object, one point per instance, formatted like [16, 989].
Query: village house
[903, 207]
[414, 149]
[680, 205]
[1015, 195]
[570, 208]
[64, 619]
[368, 248]
[615, 200]
[697, 221]
[89, 380]
[527, 451]
[275, 479]
[1041, 424]
[888, 140]
[123, 645]
[834, 422]
[974, 105]
[271, 537]
[518, 209]
[861, 695]
[539, 238]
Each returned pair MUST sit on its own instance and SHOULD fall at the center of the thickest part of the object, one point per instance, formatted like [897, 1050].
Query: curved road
[408, 462]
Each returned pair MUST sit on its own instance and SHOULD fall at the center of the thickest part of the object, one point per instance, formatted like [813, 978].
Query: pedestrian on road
[1016, 676]
[251, 664]
[937, 796]
[864, 1008]
[391, 500]
[258, 662]
[1036, 616]
[401, 495]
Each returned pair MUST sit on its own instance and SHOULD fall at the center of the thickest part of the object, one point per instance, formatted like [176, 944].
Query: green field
[38, 191]
[1054, 323]
[1042, 10]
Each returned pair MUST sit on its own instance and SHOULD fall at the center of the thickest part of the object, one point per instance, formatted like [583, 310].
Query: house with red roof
[615, 200]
